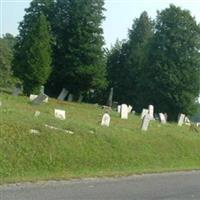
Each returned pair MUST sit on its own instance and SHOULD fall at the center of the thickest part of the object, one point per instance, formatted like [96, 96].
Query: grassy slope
[92, 150]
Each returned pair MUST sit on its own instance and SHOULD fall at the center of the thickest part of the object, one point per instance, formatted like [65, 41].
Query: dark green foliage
[32, 59]
[10, 40]
[126, 62]
[79, 62]
[173, 78]
[5, 64]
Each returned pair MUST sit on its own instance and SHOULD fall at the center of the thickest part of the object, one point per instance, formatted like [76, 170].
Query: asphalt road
[168, 186]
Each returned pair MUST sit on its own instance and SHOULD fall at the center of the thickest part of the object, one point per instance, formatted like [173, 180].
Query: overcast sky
[119, 15]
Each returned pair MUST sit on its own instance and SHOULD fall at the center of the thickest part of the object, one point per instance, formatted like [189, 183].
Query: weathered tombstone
[60, 114]
[110, 98]
[133, 112]
[16, 91]
[144, 112]
[39, 99]
[70, 98]
[187, 121]
[119, 108]
[105, 120]
[129, 108]
[114, 105]
[80, 99]
[151, 111]
[166, 116]
[37, 113]
[124, 111]
[42, 89]
[162, 118]
[145, 122]
[33, 97]
[62, 94]
[181, 119]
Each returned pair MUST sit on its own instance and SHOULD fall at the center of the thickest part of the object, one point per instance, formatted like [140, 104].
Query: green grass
[92, 150]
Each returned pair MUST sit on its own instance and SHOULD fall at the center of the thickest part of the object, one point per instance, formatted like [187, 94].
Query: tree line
[61, 45]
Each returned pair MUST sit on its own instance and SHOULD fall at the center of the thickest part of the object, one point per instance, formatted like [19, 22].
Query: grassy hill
[92, 150]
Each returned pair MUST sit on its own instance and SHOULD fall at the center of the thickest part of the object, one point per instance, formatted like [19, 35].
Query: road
[167, 186]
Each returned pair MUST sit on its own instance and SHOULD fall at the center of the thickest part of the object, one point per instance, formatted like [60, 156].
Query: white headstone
[144, 112]
[145, 122]
[124, 111]
[60, 114]
[118, 108]
[129, 108]
[37, 113]
[151, 111]
[32, 97]
[187, 121]
[62, 94]
[181, 119]
[162, 118]
[105, 120]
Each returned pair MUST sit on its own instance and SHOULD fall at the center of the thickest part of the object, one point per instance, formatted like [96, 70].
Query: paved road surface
[168, 186]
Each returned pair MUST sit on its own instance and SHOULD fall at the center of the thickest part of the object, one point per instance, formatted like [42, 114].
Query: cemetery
[64, 139]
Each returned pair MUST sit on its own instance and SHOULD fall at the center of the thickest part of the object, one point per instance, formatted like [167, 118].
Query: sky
[119, 15]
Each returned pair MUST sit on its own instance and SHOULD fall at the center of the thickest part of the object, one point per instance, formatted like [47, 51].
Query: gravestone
[124, 111]
[60, 114]
[133, 112]
[39, 99]
[16, 91]
[119, 109]
[114, 105]
[145, 122]
[187, 121]
[62, 94]
[144, 112]
[105, 120]
[181, 119]
[162, 118]
[37, 113]
[42, 89]
[110, 98]
[151, 111]
[129, 108]
[70, 98]
[80, 99]
[166, 116]
[33, 97]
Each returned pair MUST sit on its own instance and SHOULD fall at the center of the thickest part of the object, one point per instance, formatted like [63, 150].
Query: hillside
[91, 150]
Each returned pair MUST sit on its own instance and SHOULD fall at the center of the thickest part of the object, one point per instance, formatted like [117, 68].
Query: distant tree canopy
[60, 44]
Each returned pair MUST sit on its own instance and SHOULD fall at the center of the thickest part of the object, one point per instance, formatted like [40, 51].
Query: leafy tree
[127, 64]
[32, 59]
[172, 81]
[5, 64]
[10, 40]
[79, 62]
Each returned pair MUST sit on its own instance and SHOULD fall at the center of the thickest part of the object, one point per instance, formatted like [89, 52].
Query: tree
[10, 40]
[172, 81]
[5, 64]
[127, 64]
[32, 58]
[79, 62]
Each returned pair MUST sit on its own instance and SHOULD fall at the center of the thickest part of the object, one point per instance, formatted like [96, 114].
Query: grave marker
[151, 111]
[144, 112]
[105, 120]
[162, 118]
[181, 119]
[145, 122]
[62, 94]
[124, 111]
[60, 114]
[39, 99]
[110, 98]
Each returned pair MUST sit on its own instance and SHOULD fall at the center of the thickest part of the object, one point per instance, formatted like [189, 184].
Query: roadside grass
[92, 151]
